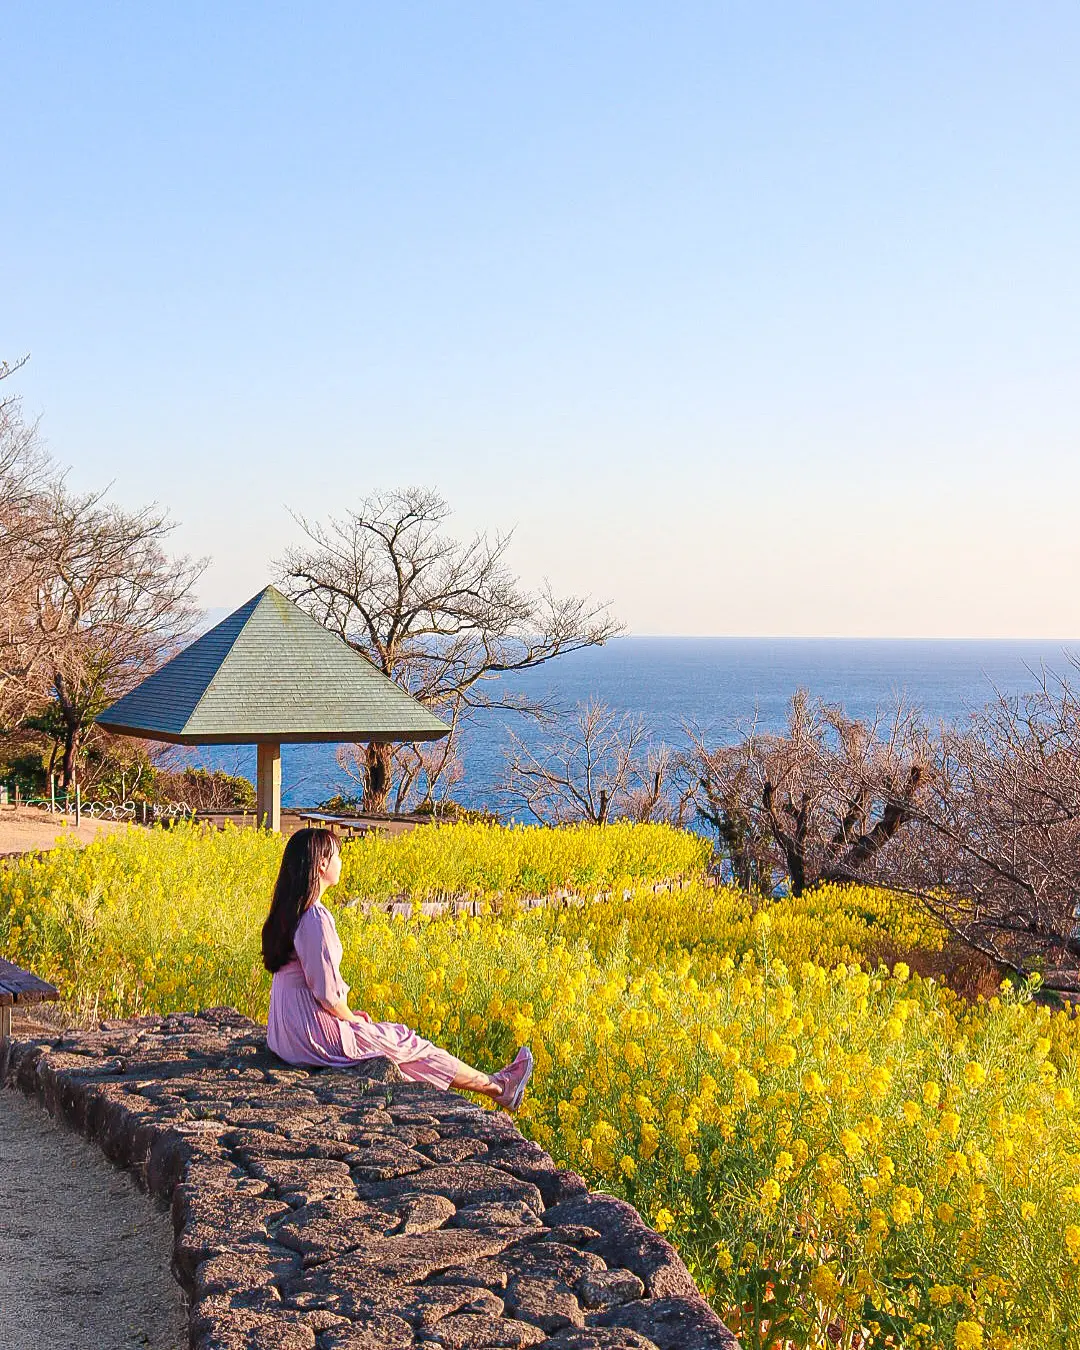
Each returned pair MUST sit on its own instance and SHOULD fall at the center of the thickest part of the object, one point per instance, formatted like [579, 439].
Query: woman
[310, 1021]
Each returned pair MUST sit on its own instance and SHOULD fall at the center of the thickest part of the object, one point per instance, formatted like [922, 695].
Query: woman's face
[331, 869]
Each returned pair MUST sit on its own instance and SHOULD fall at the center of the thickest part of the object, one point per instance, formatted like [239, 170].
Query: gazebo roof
[270, 672]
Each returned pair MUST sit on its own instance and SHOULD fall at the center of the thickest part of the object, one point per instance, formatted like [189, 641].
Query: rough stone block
[454, 1150]
[420, 1213]
[572, 1234]
[231, 1329]
[625, 1241]
[598, 1338]
[425, 1305]
[309, 1178]
[548, 1304]
[320, 1231]
[464, 1184]
[383, 1331]
[607, 1288]
[474, 1331]
[498, 1214]
[383, 1159]
[408, 1260]
[244, 1268]
[554, 1261]
[673, 1323]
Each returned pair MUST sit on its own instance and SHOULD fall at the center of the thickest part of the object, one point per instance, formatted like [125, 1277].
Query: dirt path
[84, 1254]
[29, 828]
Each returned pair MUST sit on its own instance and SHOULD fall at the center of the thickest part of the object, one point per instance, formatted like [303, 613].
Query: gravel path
[84, 1254]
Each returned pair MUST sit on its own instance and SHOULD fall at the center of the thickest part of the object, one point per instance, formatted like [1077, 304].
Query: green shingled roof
[270, 672]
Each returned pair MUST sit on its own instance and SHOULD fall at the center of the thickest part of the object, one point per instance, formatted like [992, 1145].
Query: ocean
[711, 683]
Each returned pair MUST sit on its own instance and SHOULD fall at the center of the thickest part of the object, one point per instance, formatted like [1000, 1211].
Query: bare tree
[818, 803]
[723, 787]
[26, 477]
[600, 766]
[652, 793]
[108, 605]
[441, 616]
[424, 772]
[997, 853]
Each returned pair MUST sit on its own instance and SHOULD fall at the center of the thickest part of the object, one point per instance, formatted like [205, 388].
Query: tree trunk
[67, 767]
[793, 844]
[378, 777]
[72, 721]
[796, 872]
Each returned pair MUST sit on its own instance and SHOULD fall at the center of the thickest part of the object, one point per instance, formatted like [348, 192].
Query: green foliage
[27, 771]
[341, 805]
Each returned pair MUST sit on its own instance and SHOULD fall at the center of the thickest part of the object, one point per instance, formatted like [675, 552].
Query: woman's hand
[344, 1013]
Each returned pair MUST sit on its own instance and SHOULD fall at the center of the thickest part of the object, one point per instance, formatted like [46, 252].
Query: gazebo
[270, 674]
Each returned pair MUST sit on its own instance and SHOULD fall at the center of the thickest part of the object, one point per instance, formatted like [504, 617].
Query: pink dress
[301, 1031]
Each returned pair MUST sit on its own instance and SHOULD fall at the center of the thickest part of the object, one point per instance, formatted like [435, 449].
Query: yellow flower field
[844, 1156]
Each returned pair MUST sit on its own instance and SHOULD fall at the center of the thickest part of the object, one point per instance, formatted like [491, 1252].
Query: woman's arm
[343, 1014]
[319, 949]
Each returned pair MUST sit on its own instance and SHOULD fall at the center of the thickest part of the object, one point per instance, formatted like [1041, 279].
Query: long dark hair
[295, 891]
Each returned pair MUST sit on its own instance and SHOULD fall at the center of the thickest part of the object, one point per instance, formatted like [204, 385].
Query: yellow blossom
[969, 1336]
[851, 1143]
[974, 1074]
[769, 1193]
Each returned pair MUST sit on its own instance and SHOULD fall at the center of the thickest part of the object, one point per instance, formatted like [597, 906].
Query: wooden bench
[18, 986]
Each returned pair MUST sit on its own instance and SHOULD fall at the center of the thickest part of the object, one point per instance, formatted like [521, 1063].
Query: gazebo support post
[268, 786]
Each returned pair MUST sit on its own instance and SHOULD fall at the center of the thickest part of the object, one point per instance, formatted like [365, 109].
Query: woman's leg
[468, 1079]
[506, 1087]
[421, 1061]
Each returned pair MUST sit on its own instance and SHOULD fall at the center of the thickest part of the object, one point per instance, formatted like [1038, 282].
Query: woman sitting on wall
[310, 1021]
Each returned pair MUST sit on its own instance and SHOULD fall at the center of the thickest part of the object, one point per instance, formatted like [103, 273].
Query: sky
[753, 319]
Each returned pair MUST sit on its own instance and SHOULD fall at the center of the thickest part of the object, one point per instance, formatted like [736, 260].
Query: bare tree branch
[822, 802]
[441, 616]
[997, 855]
[599, 766]
[107, 605]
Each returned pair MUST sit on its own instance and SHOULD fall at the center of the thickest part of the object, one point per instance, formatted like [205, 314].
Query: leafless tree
[997, 853]
[822, 802]
[26, 476]
[724, 789]
[441, 616]
[424, 772]
[108, 605]
[599, 766]
[10, 402]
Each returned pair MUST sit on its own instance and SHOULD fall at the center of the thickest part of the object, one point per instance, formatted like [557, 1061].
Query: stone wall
[332, 1211]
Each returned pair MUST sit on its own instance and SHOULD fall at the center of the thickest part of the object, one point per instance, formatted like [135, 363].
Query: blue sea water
[710, 683]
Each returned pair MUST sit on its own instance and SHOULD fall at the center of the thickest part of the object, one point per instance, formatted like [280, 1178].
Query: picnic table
[18, 986]
[347, 824]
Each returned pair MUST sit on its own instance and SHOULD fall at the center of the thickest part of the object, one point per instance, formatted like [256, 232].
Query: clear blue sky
[753, 318]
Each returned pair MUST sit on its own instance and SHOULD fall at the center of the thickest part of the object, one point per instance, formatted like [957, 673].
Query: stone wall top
[334, 1210]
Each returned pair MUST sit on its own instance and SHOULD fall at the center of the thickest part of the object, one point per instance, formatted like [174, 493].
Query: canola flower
[843, 1155]
[494, 862]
